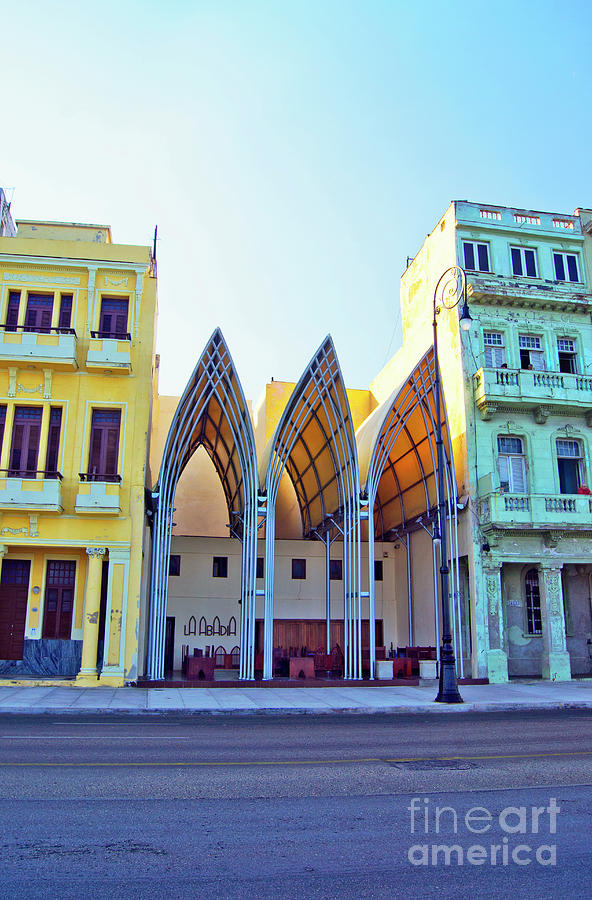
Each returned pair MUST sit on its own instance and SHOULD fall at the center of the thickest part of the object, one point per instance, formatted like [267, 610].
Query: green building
[518, 391]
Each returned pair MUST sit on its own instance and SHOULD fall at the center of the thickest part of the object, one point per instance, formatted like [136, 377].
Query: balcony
[545, 393]
[98, 494]
[55, 347]
[109, 353]
[32, 491]
[536, 511]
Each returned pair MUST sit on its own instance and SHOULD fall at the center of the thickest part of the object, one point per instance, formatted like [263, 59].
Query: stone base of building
[557, 667]
[87, 679]
[111, 680]
[497, 666]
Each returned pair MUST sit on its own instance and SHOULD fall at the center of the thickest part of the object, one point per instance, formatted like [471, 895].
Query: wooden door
[59, 600]
[169, 644]
[14, 590]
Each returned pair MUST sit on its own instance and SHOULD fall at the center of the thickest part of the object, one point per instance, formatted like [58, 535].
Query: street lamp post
[450, 290]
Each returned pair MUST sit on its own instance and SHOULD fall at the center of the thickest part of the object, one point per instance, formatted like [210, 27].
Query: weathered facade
[518, 391]
[76, 356]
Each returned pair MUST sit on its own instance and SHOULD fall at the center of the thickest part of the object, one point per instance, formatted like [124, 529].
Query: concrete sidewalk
[63, 699]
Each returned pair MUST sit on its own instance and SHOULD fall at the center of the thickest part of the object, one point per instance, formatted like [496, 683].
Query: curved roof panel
[397, 452]
[314, 441]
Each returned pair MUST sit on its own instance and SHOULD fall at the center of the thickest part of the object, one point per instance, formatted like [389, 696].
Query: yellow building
[77, 323]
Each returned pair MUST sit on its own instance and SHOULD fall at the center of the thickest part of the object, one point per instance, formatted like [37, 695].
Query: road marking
[292, 762]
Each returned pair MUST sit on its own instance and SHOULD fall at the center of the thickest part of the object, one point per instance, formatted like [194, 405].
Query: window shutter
[33, 447]
[537, 360]
[96, 440]
[504, 472]
[53, 440]
[114, 317]
[17, 445]
[65, 311]
[518, 474]
[111, 448]
[14, 301]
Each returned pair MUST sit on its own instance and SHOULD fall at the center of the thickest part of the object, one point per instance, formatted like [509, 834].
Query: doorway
[14, 592]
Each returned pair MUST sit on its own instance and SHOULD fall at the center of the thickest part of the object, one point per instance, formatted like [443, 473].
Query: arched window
[533, 602]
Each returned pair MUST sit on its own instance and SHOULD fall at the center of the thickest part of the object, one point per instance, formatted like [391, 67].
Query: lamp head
[465, 318]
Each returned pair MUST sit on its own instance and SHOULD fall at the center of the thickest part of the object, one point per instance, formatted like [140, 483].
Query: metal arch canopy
[396, 447]
[398, 466]
[212, 413]
[314, 442]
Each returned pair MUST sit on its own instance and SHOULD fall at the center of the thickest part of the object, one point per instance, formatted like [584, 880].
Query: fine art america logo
[501, 835]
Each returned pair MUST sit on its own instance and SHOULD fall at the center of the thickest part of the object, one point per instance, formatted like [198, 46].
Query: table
[203, 664]
[304, 664]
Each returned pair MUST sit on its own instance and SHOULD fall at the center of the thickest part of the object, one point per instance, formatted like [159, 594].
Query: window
[53, 441]
[491, 214]
[113, 322]
[533, 602]
[174, 564]
[563, 223]
[335, 570]
[59, 600]
[12, 310]
[570, 463]
[476, 256]
[260, 568]
[39, 312]
[495, 352]
[566, 266]
[220, 567]
[510, 465]
[566, 351]
[524, 261]
[299, 569]
[104, 445]
[531, 352]
[65, 321]
[24, 449]
[377, 570]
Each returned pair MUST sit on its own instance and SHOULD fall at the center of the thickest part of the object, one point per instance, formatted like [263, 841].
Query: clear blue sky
[292, 152]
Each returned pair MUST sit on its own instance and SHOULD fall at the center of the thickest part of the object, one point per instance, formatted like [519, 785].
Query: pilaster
[497, 660]
[92, 606]
[115, 618]
[555, 660]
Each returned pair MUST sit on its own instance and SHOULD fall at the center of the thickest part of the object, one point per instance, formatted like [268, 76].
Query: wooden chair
[220, 657]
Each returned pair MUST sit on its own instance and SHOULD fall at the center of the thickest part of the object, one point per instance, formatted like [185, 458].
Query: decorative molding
[40, 279]
[25, 390]
[492, 594]
[12, 373]
[7, 530]
[488, 410]
[541, 414]
[47, 375]
[96, 552]
[115, 282]
[34, 525]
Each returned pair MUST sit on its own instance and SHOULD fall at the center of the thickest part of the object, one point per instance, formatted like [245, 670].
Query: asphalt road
[296, 806]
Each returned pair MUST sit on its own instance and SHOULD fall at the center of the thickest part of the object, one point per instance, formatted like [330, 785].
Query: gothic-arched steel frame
[214, 378]
[320, 395]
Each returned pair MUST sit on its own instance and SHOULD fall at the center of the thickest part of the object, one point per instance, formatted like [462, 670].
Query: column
[555, 661]
[43, 439]
[497, 660]
[92, 607]
[5, 457]
[3, 552]
[115, 618]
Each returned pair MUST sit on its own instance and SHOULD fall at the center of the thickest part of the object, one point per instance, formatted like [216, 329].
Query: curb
[431, 709]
